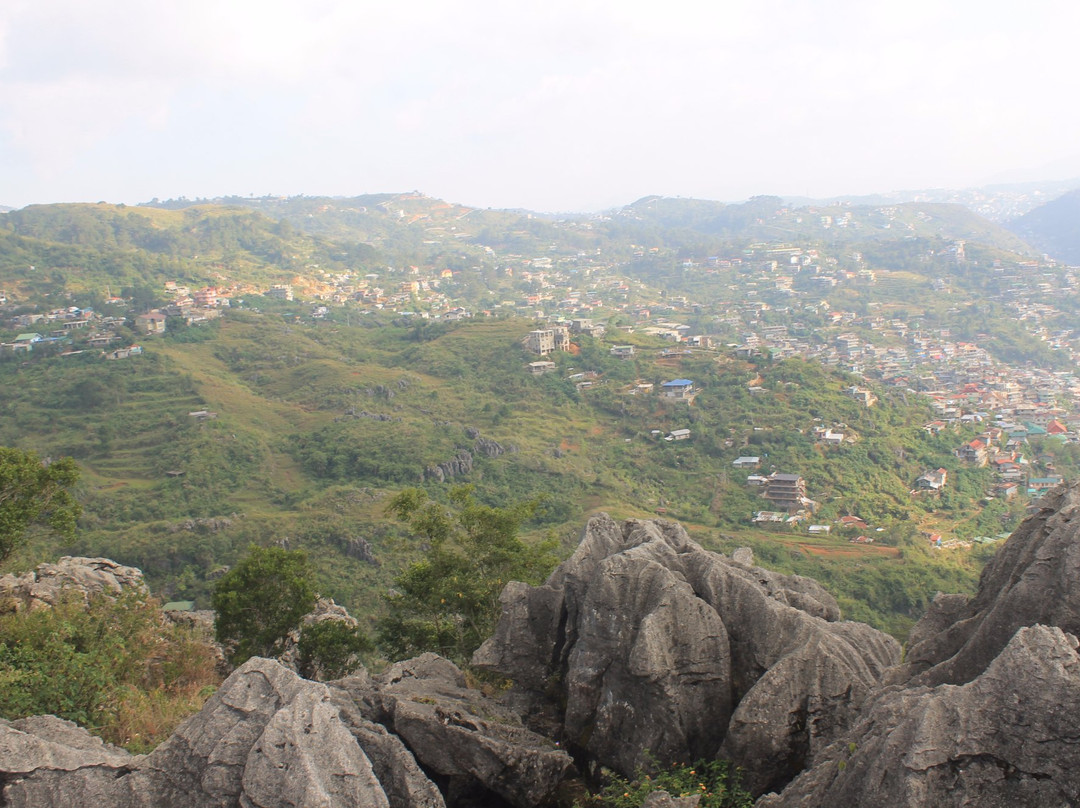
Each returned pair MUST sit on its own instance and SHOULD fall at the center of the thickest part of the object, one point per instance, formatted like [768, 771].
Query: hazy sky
[552, 105]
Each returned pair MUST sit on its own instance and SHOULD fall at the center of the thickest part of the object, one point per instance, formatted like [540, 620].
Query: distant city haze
[550, 106]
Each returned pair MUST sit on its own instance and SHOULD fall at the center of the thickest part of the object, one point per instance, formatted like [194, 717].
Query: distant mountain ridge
[768, 218]
[1054, 227]
[376, 219]
[999, 202]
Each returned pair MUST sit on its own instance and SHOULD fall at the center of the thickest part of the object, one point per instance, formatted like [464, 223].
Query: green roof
[179, 606]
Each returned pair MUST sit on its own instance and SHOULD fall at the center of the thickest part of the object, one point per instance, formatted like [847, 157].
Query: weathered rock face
[1033, 579]
[458, 733]
[492, 448]
[459, 464]
[47, 761]
[656, 646]
[265, 738]
[985, 709]
[269, 738]
[84, 577]
[1010, 737]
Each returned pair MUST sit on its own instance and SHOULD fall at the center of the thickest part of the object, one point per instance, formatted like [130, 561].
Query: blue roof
[677, 383]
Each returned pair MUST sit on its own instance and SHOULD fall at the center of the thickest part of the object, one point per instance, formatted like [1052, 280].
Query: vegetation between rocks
[715, 782]
[119, 668]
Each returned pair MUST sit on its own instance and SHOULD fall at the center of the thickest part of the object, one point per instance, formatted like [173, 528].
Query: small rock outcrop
[265, 738]
[325, 609]
[643, 643]
[71, 575]
[45, 760]
[360, 548]
[492, 448]
[458, 733]
[461, 463]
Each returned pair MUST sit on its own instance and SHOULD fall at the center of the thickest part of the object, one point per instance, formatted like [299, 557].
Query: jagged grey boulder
[406, 785]
[643, 643]
[1034, 578]
[459, 733]
[459, 464]
[48, 742]
[1010, 737]
[47, 761]
[265, 738]
[71, 575]
[270, 739]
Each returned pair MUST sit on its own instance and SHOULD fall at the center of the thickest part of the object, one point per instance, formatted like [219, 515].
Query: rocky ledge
[70, 576]
[985, 709]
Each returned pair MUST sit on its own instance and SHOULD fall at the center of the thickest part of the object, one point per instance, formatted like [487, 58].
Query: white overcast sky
[548, 105]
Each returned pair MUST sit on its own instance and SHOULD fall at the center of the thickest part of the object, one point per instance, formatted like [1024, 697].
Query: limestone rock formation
[85, 577]
[268, 738]
[456, 732]
[47, 761]
[406, 785]
[644, 643]
[492, 448]
[459, 464]
[1034, 578]
[265, 738]
[1010, 737]
[985, 709]
[641, 642]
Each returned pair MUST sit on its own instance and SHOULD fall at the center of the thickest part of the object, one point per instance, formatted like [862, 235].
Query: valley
[911, 366]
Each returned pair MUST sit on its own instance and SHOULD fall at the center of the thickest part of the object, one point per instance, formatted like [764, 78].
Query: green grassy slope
[316, 424]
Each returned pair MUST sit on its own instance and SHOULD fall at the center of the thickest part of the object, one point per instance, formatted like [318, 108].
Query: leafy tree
[260, 600]
[330, 649]
[33, 493]
[449, 601]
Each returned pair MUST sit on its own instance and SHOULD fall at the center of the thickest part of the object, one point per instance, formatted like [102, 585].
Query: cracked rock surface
[985, 710]
[71, 575]
[269, 739]
[1010, 737]
[1033, 579]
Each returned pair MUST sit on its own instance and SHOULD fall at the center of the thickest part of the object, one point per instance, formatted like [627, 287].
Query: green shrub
[716, 781]
[449, 601]
[330, 649]
[101, 665]
[260, 600]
